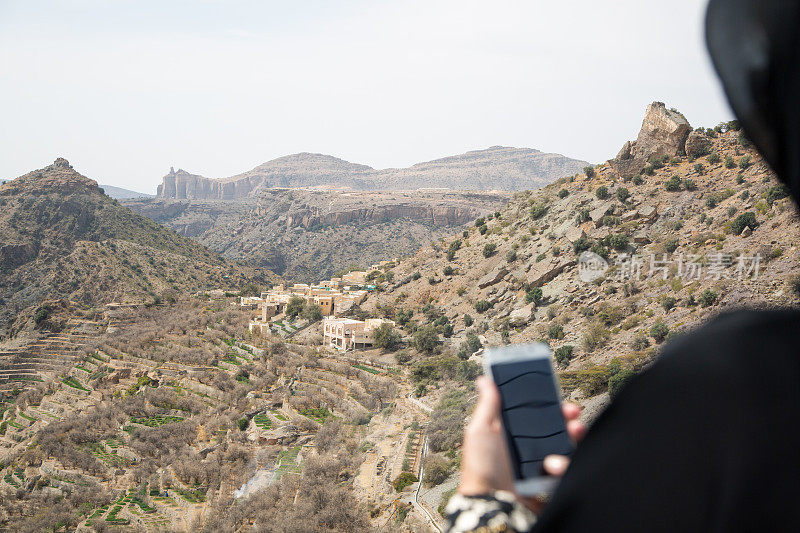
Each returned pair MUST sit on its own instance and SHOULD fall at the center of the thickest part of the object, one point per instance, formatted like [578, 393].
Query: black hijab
[755, 47]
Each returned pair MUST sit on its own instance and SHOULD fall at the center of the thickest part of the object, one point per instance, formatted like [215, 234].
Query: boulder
[663, 132]
[493, 277]
[648, 213]
[598, 213]
[523, 315]
[746, 232]
[697, 144]
[630, 215]
[573, 234]
[546, 271]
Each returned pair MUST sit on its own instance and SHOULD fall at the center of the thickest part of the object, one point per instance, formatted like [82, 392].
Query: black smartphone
[533, 422]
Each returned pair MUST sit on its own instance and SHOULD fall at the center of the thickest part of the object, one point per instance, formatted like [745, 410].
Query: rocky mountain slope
[608, 264]
[63, 238]
[310, 234]
[496, 168]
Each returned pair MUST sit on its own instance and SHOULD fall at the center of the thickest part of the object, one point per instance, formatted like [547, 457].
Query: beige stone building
[349, 334]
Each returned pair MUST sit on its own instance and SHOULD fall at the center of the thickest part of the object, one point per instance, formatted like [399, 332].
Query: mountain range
[495, 168]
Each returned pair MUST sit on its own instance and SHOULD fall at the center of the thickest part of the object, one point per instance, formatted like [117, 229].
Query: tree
[602, 192]
[295, 306]
[426, 339]
[312, 312]
[589, 171]
[489, 249]
[386, 337]
[623, 194]
[482, 306]
[708, 298]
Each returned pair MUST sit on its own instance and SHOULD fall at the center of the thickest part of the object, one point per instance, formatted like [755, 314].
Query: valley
[310, 374]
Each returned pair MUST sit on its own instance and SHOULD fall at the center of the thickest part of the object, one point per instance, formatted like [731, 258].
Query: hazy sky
[126, 89]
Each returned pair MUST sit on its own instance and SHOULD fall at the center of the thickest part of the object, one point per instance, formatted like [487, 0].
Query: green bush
[623, 194]
[511, 256]
[673, 184]
[582, 216]
[534, 294]
[776, 193]
[617, 381]
[640, 342]
[638, 179]
[482, 306]
[659, 331]
[581, 245]
[618, 241]
[699, 168]
[563, 193]
[713, 158]
[744, 162]
[483, 229]
[243, 423]
[589, 171]
[729, 162]
[447, 271]
[556, 331]
[480, 222]
[563, 355]
[671, 245]
[689, 184]
[538, 211]
[468, 321]
[602, 192]
[708, 298]
[489, 249]
[747, 219]
[668, 302]
[649, 170]
[404, 480]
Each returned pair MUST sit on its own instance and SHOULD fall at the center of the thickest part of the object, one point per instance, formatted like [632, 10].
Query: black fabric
[755, 47]
[707, 439]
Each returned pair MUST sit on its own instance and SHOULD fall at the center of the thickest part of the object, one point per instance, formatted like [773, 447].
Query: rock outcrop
[697, 144]
[663, 133]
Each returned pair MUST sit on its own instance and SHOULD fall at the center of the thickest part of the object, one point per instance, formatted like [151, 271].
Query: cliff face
[311, 234]
[496, 168]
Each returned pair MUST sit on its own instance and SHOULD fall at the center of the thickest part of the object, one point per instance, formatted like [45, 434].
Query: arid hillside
[608, 264]
[62, 238]
[496, 168]
[310, 234]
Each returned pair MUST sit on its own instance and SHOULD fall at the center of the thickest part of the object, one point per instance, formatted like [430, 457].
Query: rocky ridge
[62, 238]
[695, 224]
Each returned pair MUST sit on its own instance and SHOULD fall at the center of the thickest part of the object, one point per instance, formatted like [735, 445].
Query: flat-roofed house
[349, 334]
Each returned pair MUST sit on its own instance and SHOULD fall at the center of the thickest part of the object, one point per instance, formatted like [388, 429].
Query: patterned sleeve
[499, 511]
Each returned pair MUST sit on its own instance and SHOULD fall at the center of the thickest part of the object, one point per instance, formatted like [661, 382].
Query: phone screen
[531, 411]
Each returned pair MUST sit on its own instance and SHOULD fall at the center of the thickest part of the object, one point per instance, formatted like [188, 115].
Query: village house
[349, 334]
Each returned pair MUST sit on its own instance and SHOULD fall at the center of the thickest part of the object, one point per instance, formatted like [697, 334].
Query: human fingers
[556, 465]
[576, 430]
[571, 411]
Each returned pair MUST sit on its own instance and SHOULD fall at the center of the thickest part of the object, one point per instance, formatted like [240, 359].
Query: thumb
[487, 409]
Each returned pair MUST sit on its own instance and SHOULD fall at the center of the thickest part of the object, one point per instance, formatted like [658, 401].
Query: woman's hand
[485, 464]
